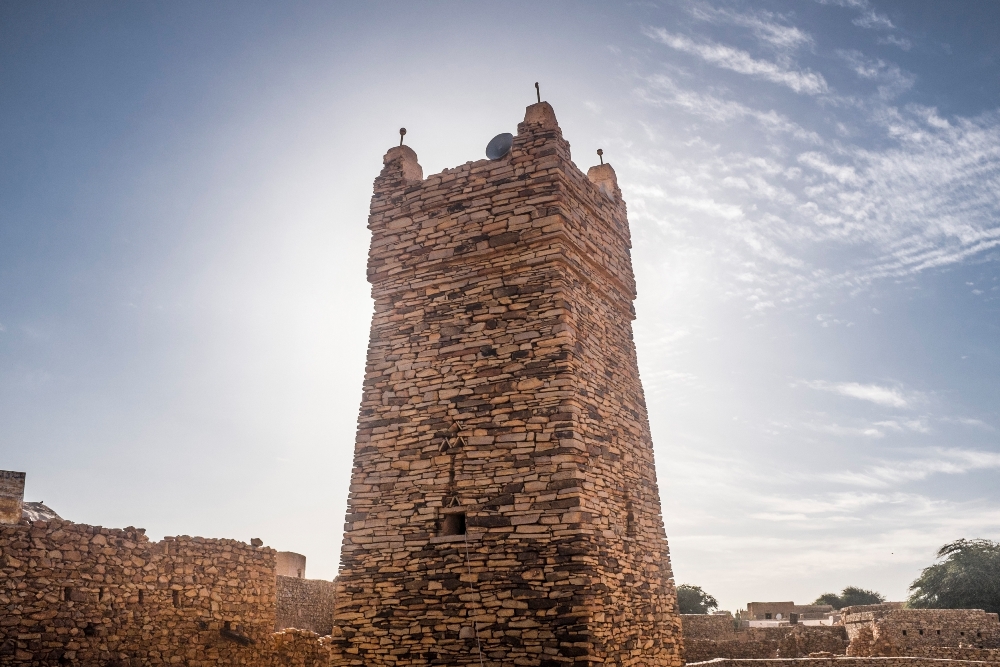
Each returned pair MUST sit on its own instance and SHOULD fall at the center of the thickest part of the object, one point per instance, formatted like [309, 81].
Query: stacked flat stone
[889, 630]
[306, 604]
[711, 636]
[502, 385]
[86, 595]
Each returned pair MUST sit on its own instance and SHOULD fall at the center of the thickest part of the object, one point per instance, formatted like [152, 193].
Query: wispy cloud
[737, 60]
[873, 20]
[767, 26]
[934, 461]
[873, 393]
[893, 40]
[893, 81]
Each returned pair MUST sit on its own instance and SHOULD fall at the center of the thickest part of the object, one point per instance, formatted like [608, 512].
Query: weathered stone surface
[889, 630]
[501, 384]
[306, 604]
[86, 595]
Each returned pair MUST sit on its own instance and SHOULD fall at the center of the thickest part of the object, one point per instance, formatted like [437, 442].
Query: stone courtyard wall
[887, 630]
[86, 595]
[707, 637]
[306, 604]
[844, 662]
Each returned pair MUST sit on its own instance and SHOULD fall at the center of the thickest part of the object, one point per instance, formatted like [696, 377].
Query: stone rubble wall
[78, 594]
[887, 630]
[844, 662]
[502, 382]
[706, 637]
[306, 604]
[301, 648]
[715, 627]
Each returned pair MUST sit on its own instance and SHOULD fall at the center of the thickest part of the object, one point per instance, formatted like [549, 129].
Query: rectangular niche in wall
[453, 523]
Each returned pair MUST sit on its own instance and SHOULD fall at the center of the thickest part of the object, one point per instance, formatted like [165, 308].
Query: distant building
[774, 614]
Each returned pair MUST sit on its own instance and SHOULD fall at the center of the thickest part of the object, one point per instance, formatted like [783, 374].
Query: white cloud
[742, 62]
[763, 24]
[892, 40]
[893, 81]
[873, 393]
[935, 461]
[873, 20]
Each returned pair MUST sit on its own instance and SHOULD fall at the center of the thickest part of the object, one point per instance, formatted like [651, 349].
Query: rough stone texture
[845, 662]
[11, 496]
[888, 630]
[306, 604]
[501, 382]
[707, 637]
[300, 648]
[77, 594]
[717, 627]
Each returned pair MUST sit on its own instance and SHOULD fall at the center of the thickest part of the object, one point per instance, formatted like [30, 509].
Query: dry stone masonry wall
[86, 595]
[503, 493]
[306, 604]
[710, 636]
[888, 630]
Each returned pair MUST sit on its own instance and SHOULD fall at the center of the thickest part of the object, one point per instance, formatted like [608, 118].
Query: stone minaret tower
[503, 506]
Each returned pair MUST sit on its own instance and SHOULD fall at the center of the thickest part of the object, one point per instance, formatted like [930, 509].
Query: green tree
[851, 595]
[693, 600]
[831, 599]
[967, 578]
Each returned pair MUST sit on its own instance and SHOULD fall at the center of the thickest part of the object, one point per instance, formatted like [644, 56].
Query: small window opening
[177, 598]
[767, 616]
[939, 632]
[67, 594]
[921, 631]
[962, 633]
[103, 596]
[979, 634]
[140, 596]
[453, 524]
[227, 626]
[89, 631]
[300, 573]
[904, 633]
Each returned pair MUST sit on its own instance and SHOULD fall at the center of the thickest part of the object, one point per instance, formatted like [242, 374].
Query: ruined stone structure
[11, 496]
[86, 595]
[890, 630]
[503, 495]
[291, 564]
[306, 604]
[711, 636]
[836, 661]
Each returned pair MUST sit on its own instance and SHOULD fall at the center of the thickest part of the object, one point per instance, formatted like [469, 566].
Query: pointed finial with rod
[538, 92]
[600, 154]
[402, 131]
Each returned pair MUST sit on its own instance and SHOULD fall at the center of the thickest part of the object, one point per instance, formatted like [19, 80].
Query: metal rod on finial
[600, 154]
[402, 131]
[538, 92]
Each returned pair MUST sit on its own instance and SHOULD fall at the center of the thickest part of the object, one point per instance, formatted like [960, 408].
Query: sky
[814, 196]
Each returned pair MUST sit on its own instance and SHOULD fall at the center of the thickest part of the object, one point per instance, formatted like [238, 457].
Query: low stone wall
[708, 626]
[300, 648]
[794, 641]
[887, 630]
[306, 604]
[845, 662]
[78, 594]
